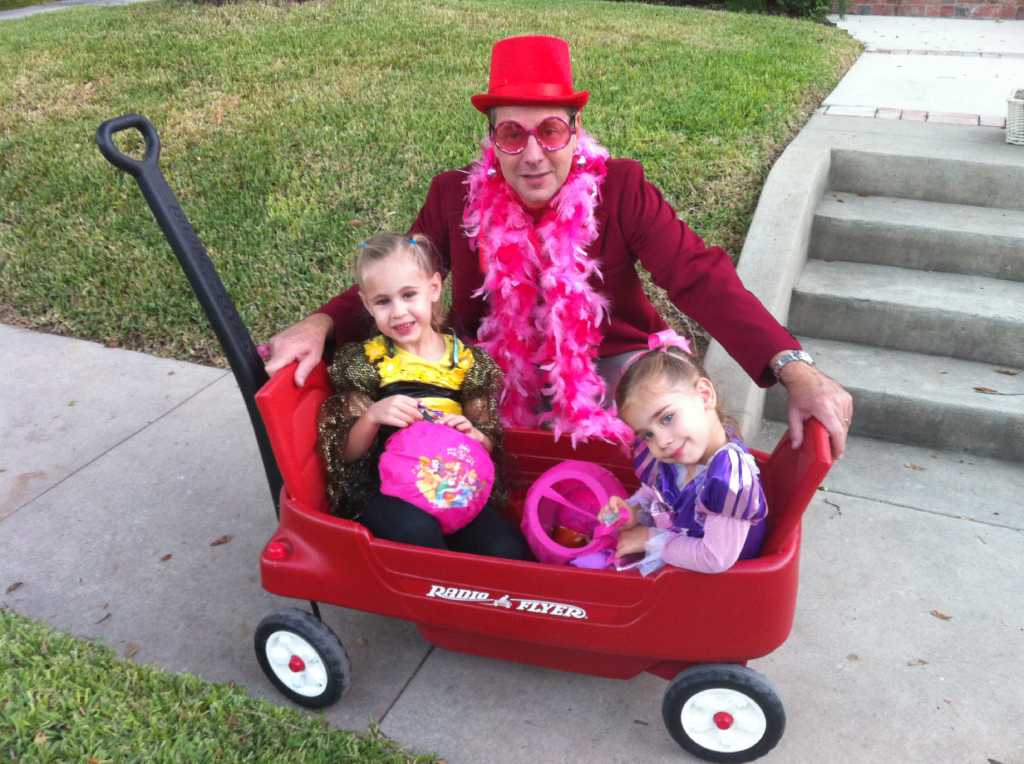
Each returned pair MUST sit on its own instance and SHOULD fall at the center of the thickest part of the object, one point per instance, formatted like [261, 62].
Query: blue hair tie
[413, 242]
[363, 244]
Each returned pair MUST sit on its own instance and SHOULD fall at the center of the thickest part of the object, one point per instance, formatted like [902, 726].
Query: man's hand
[302, 342]
[813, 394]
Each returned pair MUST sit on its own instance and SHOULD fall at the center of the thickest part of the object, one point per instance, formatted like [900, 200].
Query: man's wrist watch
[787, 357]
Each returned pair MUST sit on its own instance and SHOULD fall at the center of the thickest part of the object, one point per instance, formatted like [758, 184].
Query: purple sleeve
[732, 487]
[716, 552]
[644, 464]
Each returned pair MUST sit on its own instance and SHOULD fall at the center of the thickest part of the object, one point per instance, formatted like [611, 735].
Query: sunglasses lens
[511, 137]
[553, 134]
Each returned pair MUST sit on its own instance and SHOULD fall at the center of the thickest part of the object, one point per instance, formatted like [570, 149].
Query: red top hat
[533, 69]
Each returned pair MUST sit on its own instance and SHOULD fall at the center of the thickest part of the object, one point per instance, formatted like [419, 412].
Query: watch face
[791, 355]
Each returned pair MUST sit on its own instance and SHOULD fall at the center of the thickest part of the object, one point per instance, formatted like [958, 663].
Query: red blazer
[634, 223]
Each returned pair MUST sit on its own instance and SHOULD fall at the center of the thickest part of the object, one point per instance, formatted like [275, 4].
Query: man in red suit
[540, 237]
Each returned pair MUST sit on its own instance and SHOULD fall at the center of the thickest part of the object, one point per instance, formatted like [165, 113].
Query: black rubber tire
[329, 648]
[730, 676]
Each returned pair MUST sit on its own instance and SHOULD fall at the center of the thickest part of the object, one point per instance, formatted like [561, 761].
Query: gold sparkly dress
[465, 381]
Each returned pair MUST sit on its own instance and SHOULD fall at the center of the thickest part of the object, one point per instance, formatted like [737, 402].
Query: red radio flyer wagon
[604, 623]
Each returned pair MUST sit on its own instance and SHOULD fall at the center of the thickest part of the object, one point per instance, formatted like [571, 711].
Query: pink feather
[544, 324]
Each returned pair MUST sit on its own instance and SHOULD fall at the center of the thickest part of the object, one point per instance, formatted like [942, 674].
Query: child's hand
[394, 411]
[463, 425]
[457, 421]
[632, 540]
[616, 508]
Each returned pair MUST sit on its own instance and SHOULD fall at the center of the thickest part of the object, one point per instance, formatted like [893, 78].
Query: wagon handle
[105, 139]
[234, 337]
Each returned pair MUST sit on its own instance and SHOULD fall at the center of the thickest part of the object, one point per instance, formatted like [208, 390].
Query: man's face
[534, 174]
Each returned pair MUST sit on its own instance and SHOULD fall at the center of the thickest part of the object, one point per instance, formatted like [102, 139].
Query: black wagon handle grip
[232, 333]
[105, 139]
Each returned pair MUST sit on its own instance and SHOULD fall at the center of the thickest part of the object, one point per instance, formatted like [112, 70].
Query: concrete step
[931, 175]
[923, 400]
[951, 483]
[953, 238]
[970, 317]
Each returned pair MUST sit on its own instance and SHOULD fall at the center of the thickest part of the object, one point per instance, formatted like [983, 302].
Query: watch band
[788, 357]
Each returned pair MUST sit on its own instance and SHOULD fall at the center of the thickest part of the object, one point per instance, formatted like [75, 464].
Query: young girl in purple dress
[701, 505]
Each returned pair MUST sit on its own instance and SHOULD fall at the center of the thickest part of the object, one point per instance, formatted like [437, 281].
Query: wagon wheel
[302, 658]
[723, 712]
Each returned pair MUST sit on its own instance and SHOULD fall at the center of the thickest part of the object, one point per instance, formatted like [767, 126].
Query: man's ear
[707, 392]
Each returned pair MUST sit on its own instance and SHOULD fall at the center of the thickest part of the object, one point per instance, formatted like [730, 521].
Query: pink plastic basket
[569, 495]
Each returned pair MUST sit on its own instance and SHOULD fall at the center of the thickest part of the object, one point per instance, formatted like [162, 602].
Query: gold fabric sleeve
[356, 385]
[481, 391]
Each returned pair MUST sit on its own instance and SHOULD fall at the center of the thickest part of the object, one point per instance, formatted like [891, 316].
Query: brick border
[911, 115]
[958, 9]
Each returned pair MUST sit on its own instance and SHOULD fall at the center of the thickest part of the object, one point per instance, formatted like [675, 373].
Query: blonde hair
[670, 364]
[383, 245]
[417, 246]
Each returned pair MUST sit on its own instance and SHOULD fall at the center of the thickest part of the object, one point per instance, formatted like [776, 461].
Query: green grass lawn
[65, 699]
[291, 132]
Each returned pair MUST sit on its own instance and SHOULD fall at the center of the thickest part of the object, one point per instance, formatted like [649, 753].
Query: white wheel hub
[723, 720]
[296, 663]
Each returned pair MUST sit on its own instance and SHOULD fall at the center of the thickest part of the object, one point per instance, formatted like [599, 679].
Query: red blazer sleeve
[346, 309]
[348, 314]
[699, 280]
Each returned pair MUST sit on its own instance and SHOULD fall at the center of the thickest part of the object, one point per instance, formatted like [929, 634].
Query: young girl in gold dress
[389, 381]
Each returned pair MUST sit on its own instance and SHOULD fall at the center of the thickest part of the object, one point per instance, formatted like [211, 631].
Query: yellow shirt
[402, 366]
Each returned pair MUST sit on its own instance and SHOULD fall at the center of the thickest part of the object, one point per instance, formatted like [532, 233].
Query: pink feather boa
[544, 324]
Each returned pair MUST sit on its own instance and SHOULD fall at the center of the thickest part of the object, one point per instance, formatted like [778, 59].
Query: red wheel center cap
[296, 664]
[723, 720]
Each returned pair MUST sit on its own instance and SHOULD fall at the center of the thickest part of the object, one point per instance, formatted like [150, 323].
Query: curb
[770, 264]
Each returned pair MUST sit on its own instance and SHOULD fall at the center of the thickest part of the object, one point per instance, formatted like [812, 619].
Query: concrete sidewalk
[118, 471]
[945, 70]
[32, 10]
[113, 460]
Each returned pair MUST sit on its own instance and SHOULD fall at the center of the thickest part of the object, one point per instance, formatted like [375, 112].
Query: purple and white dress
[712, 520]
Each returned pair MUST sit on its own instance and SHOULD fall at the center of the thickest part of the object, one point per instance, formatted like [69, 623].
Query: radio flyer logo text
[541, 607]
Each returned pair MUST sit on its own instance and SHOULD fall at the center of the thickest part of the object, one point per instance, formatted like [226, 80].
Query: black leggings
[489, 533]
